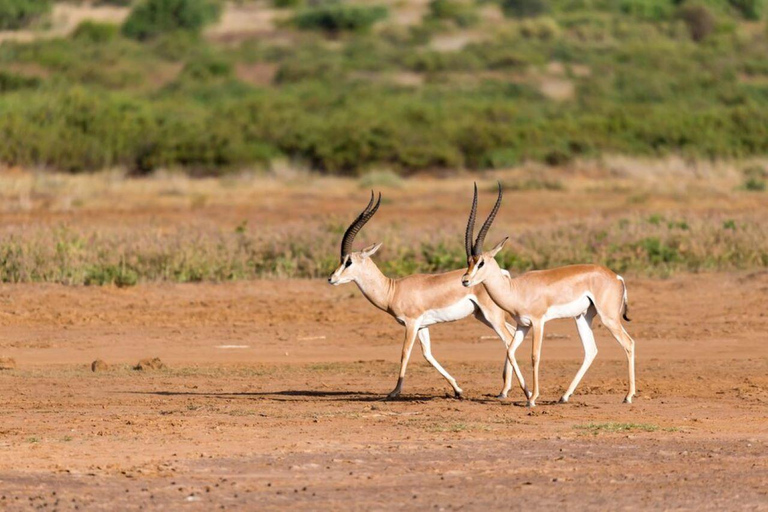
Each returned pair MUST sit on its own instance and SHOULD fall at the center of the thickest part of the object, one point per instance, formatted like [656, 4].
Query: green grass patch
[598, 428]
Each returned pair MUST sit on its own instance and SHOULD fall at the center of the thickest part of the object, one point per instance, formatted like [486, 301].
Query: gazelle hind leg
[411, 330]
[426, 350]
[628, 344]
[584, 326]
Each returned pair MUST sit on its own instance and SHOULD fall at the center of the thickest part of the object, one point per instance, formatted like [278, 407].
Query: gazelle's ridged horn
[469, 235]
[477, 250]
[357, 225]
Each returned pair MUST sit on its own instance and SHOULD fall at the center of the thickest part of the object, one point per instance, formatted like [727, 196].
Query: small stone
[150, 364]
[7, 363]
[99, 365]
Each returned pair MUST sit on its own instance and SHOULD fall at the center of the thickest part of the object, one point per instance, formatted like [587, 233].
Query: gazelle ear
[370, 250]
[498, 247]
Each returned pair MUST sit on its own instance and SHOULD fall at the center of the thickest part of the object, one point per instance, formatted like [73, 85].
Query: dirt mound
[99, 365]
[150, 364]
[7, 363]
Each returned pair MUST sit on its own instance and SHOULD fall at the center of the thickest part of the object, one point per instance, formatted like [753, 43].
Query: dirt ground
[273, 397]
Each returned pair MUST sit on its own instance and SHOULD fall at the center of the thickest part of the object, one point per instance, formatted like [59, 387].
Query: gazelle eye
[348, 263]
[481, 264]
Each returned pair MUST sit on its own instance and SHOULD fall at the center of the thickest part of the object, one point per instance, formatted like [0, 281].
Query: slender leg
[538, 338]
[410, 337]
[504, 330]
[520, 334]
[628, 344]
[584, 326]
[426, 349]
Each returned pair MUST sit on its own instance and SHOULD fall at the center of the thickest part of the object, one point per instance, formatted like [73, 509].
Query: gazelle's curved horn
[469, 235]
[477, 250]
[357, 225]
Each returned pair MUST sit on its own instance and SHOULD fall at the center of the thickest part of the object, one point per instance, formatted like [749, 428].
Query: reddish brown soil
[297, 417]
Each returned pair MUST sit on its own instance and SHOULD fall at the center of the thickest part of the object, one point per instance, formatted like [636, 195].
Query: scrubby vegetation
[334, 17]
[15, 14]
[639, 245]
[152, 18]
[550, 81]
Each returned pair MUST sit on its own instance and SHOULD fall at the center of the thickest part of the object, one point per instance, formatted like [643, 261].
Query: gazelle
[420, 300]
[533, 298]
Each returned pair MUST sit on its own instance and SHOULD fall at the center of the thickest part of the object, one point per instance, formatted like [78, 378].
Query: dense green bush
[390, 99]
[460, 12]
[336, 17]
[524, 8]
[15, 14]
[749, 9]
[152, 18]
[699, 20]
[648, 9]
[14, 82]
[286, 4]
[94, 32]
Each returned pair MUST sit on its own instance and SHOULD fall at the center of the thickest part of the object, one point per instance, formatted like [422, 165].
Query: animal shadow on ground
[341, 396]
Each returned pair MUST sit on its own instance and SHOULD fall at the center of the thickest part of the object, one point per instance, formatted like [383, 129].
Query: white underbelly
[569, 309]
[461, 309]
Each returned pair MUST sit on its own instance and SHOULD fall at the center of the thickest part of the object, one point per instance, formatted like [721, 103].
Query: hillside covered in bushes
[344, 86]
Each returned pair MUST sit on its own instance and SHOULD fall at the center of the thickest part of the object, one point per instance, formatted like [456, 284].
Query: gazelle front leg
[520, 333]
[411, 329]
[426, 349]
[538, 338]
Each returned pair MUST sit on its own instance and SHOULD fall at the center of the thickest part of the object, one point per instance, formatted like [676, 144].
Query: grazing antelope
[421, 300]
[533, 298]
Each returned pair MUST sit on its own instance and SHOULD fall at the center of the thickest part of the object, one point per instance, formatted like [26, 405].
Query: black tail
[624, 314]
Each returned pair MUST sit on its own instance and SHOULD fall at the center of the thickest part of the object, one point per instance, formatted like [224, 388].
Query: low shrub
[749, 9]
[16, 14]
[335, 17]
[755, 178]
[653, 10]
[378, 179]
[699, 20]
[754, 185]
[287, 4]
[97, 33]
[524, 8]
[151, 18]
[14, 82]
[457, 11]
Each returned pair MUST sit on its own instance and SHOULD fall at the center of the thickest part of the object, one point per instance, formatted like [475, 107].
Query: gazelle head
[355, 264]
[480, 264]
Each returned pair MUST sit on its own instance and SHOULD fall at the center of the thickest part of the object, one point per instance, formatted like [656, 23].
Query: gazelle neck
[376, 287]
[501, 289]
